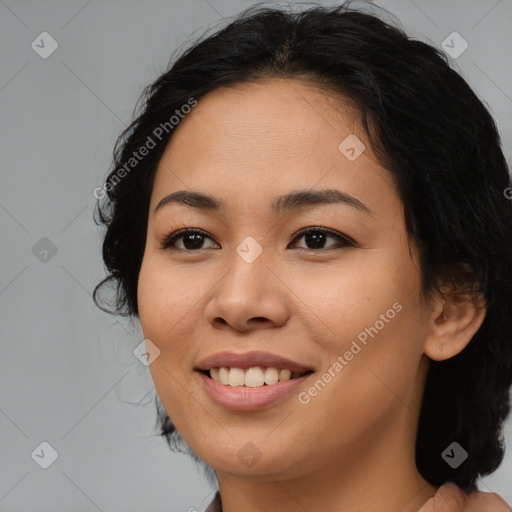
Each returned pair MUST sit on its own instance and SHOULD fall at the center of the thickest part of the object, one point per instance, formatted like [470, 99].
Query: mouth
[253, 377]
[253, 388]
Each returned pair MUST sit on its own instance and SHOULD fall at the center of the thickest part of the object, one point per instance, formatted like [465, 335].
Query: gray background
[68, 374]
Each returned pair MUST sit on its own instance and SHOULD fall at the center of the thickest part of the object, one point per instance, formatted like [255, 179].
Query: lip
[241, 398]
[250, 359]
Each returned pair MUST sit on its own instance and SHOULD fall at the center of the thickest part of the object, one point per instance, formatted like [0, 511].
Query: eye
[316, 237]
[192, 239]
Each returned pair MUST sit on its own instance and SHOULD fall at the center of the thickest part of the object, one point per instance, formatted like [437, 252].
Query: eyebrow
[282, 204]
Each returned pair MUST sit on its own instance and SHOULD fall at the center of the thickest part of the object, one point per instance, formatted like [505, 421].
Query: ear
[455, 318]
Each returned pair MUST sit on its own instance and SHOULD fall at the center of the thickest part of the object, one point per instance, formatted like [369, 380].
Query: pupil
[197, 237]
[318, 239]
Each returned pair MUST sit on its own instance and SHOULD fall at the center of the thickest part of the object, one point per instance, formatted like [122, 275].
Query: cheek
[145, 298]
[345, 297]
[368, 313]
[160, 310]
[163, 318]
[366, 385]
[164, 296]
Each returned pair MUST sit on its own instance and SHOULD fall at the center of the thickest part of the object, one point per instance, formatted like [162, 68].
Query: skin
[352, 445]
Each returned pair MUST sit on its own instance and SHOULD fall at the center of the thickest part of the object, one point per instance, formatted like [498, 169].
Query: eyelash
[168, 240]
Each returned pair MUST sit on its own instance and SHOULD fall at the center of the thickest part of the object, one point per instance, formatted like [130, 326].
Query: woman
[309, 219]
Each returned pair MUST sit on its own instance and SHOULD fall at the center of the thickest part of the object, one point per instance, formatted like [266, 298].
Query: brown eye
[315, 238]
[193, 239]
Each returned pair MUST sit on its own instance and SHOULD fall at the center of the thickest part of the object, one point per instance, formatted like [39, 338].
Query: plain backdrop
[68, 374]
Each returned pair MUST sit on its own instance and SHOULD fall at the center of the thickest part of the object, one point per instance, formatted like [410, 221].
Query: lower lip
[242, 398]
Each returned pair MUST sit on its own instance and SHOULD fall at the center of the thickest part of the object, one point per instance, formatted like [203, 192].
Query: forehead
[279, 114]
[267, 138]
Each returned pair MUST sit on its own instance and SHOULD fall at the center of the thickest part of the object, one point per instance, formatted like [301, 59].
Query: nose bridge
[249, 250]
[248, 290]
[249, 274]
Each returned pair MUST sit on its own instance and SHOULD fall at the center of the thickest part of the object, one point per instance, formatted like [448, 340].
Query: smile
[253, 377]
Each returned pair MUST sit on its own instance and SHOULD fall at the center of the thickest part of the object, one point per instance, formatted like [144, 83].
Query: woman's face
[351, 312]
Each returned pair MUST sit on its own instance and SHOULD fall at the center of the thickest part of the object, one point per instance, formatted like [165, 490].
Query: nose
[250, 295]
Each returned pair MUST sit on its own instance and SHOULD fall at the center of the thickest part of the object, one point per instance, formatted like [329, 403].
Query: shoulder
[450, 498]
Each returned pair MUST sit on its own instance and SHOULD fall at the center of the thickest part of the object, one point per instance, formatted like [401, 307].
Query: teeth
[223, 375]
[271, 376]
[236, 377]
[252, 377]
[284, 375]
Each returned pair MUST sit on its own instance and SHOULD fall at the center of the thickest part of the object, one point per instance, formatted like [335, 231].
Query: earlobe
[454, 320]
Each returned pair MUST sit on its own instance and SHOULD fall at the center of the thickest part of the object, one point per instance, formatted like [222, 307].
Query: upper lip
[249, 360]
